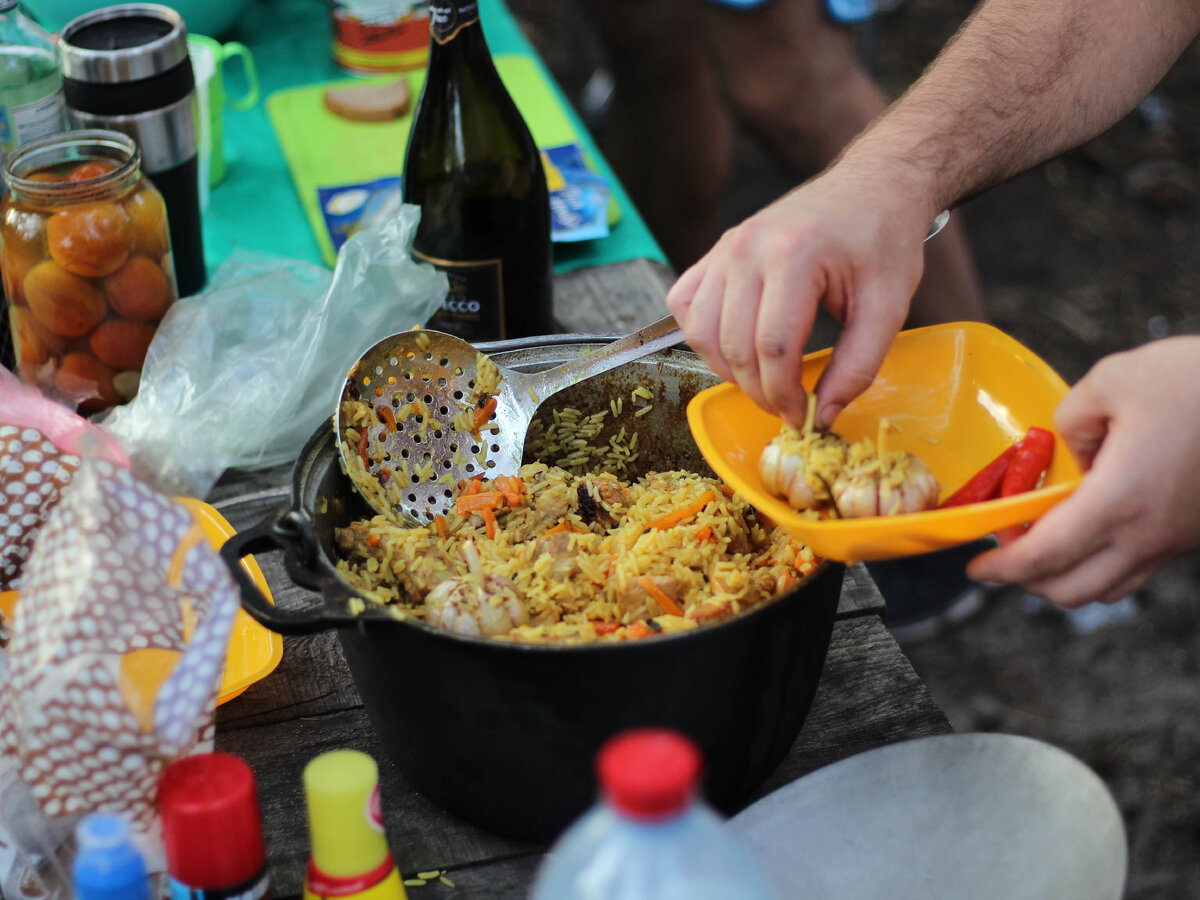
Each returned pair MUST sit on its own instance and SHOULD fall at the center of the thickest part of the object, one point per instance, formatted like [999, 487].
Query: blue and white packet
[579, 197]
[350, 208]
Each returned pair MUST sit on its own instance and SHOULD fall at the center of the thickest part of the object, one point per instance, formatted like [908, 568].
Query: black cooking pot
[503, 734]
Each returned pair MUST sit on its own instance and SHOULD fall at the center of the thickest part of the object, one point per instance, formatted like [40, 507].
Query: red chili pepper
[1034, 452]
[984, 484]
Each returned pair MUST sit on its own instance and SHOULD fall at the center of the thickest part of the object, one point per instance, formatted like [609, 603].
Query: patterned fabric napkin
[114, 657]
[41, 444]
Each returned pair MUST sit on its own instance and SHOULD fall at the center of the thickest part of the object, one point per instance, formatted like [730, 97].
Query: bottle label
[448, 17]
[255, 889]
[473, 309]
[21, 124]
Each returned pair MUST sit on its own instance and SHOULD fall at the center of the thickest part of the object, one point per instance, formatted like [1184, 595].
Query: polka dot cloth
[33, 473]
[96, 587]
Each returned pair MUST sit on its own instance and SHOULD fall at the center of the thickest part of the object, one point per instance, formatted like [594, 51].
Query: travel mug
[126, 68]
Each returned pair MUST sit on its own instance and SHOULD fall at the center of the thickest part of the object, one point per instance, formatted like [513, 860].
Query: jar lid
[649, 773]
[210, 819]
[123, 43]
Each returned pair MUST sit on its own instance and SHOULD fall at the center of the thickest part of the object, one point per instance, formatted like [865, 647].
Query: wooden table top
[868, 696]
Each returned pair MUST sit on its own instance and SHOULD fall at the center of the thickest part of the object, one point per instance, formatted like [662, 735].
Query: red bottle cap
[211, 826]
[649, 773]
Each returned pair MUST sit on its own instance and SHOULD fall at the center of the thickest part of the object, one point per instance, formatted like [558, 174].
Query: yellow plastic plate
[253, 651]
[958, 394]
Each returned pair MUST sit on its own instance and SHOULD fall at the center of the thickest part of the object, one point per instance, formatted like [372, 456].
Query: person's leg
[793, 77]
[668, 136]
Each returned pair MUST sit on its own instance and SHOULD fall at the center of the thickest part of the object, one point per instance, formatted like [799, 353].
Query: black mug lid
[127, 42]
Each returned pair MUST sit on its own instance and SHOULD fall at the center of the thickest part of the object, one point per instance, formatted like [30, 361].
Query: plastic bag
[241, 374]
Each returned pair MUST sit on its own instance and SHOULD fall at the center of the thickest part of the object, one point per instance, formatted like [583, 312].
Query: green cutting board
[324, 150]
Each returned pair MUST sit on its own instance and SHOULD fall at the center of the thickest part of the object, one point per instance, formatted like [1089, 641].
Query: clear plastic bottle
[650, 837]
[31, 94]
[107, 865]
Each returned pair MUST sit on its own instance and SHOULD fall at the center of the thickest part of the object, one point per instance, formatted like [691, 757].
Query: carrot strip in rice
[385, 413]
[489, 519]
[510, 487]
[665, 603]
[477, 501]
[605, 627]
[565, 525]
[483, 414]
[685, 512]
[439, 524]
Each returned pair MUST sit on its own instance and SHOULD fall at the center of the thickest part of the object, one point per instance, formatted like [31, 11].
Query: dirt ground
[1093, 252]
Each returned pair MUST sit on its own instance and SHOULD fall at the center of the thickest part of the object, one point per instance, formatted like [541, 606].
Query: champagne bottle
[473, 168]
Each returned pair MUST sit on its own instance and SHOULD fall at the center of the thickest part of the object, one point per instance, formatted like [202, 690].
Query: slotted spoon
[426, 381]
[423, 387]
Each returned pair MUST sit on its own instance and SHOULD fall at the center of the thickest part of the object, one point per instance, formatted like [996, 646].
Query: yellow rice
[715, 562]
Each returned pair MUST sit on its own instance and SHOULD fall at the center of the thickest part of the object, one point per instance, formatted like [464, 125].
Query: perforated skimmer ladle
[427, 383]
[424, 388]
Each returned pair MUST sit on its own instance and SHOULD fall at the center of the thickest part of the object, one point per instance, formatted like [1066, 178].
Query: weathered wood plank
[860, 596]
[612, 299]
[869, 696]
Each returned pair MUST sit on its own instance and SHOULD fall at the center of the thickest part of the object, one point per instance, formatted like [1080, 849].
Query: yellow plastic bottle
[350, 855]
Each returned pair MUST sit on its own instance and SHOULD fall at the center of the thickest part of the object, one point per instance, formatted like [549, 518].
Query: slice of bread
[370, 102]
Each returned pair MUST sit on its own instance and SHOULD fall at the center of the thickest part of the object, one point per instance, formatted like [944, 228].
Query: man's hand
[1133, 423]
[748, 306]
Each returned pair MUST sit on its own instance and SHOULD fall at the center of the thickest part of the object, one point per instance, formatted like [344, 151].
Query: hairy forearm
[1022, 81]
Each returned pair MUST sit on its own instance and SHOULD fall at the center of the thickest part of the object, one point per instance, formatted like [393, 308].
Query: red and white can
[380, 35]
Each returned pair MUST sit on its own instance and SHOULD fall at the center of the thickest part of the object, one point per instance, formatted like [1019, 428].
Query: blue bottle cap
[107, 864]
[850, 12]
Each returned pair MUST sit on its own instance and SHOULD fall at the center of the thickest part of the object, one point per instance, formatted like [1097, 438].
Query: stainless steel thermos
[126, 68]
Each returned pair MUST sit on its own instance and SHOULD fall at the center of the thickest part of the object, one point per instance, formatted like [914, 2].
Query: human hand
[842, 241]
[1133, 423]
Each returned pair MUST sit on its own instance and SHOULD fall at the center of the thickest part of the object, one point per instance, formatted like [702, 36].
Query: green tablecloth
[256, 207]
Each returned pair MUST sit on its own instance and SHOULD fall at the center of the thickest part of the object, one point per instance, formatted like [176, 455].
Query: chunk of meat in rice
[549, 502]
[602, 500]
[563, 553]
[417, 566]
[733, 580]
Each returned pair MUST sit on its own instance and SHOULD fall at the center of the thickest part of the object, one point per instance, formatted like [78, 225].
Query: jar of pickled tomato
[85, 259]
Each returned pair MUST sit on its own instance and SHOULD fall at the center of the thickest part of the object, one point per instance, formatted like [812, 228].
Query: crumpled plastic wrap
[111, 665]
[241, 374]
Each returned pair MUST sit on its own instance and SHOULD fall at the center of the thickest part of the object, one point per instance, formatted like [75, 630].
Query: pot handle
[278, 533]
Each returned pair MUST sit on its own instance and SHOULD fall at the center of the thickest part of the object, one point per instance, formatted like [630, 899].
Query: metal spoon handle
[658, 336]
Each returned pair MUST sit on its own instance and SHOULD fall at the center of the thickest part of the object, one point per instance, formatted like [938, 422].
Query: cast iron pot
[503, 735]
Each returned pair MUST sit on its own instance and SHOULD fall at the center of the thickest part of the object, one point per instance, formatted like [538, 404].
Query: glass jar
[85, 258]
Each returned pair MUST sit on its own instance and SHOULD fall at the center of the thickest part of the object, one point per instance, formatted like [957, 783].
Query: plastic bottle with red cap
[212, 830]
[650, 836]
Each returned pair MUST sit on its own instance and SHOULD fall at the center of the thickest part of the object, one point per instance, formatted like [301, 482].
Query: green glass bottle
[473, 168]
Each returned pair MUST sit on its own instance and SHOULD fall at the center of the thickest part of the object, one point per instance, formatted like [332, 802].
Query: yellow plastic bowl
[253, 651]
[958, 394]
